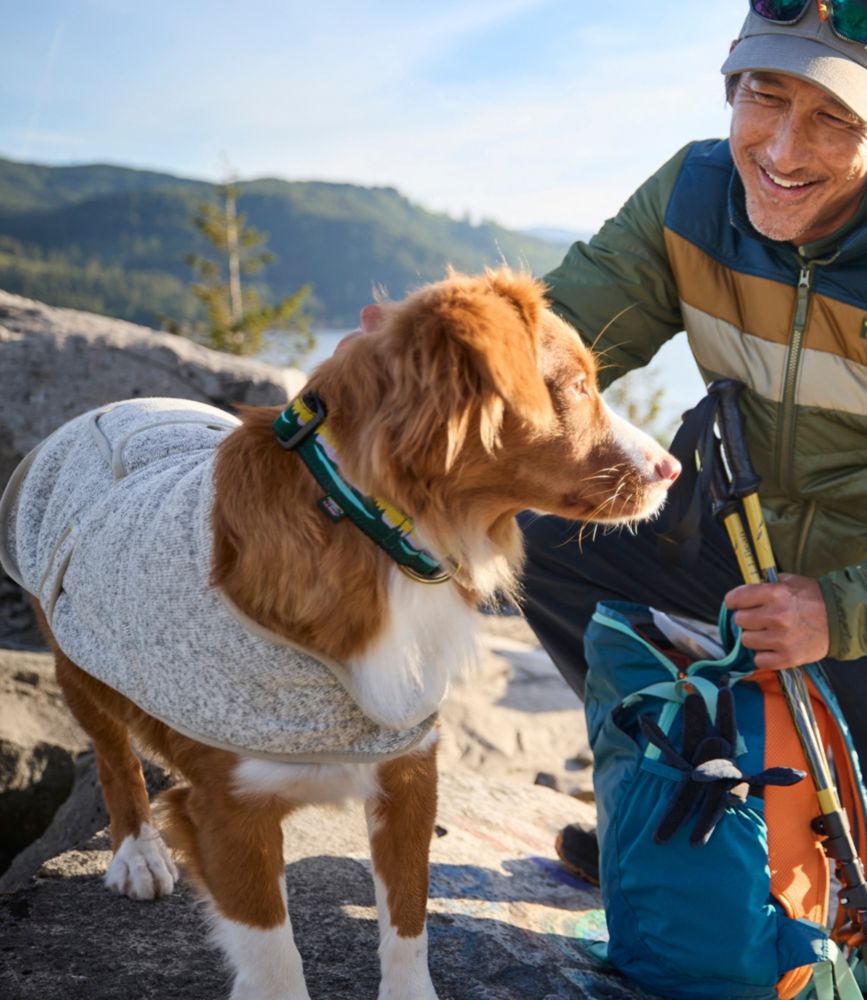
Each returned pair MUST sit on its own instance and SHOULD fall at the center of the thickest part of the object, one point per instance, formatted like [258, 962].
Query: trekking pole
[725, 508]
[744, 488]
[832, 823]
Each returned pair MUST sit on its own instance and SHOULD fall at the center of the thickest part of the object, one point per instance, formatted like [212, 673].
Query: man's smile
[783, 187]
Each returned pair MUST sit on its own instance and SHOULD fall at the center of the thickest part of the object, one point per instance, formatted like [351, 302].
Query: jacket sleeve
[618, 290]
[845, 593]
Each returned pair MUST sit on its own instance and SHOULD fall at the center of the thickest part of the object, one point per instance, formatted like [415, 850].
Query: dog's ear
[469, 347]
[523, 291]
[508, 353]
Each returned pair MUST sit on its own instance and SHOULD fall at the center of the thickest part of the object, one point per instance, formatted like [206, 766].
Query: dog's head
[472, 399]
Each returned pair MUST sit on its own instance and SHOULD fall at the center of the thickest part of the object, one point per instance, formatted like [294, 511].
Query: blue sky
[529, 112]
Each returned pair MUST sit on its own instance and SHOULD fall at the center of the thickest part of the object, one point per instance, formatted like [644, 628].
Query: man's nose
[788, 148]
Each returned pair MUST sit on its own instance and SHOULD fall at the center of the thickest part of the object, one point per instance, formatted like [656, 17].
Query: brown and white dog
[470, 402]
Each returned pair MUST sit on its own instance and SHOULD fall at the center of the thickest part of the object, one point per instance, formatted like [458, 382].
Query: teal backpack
[713, 881]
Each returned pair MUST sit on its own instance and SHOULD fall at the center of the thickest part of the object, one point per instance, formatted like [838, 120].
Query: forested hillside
[114, 240]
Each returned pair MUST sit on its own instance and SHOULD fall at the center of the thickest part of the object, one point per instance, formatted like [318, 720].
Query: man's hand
[369, 319]
[786, 623]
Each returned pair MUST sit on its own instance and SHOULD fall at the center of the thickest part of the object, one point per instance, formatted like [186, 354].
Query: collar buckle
[282, 425]
[444, 573]
[386, 526]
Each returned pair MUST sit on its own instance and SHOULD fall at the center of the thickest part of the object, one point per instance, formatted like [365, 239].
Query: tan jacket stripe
[759, 305]
[837, 328]
[765, 307]
[826, 380]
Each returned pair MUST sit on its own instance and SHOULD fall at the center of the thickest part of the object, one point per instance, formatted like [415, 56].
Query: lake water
[278, 348]
[673, 369]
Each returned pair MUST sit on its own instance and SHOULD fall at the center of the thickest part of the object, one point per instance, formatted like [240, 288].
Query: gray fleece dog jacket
[108, 524]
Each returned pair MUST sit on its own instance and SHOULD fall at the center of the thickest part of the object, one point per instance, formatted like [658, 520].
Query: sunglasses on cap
[848, 18]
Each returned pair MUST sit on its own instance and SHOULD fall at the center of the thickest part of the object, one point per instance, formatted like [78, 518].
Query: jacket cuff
[846, 601]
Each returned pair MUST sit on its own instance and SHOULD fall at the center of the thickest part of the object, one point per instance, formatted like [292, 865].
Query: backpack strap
[678, 526]
[837, 977]
[675, 693]
[846, 758]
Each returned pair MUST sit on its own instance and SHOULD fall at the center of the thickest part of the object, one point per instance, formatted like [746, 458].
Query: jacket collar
[849, 241]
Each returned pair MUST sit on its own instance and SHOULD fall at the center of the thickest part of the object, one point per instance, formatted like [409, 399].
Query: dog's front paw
[256, 992]
[142, 868]
[405, 974]
[418, 990]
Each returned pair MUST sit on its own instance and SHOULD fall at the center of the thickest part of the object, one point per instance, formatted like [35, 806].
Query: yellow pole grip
[828, 801]
[741, 545]
[756, 519]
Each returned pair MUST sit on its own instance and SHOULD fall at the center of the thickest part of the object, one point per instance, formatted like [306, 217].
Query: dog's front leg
[265, 960]
[234, 849]
[400, 820]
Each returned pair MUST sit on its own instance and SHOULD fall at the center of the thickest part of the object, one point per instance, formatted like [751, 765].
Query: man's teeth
[784, 183]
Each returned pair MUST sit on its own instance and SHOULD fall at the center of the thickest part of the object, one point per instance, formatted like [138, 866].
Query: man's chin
[777, 225]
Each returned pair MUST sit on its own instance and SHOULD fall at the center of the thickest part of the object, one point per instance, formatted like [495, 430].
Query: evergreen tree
[237, 320]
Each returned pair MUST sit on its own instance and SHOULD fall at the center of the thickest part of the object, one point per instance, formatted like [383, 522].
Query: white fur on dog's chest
[428, 640]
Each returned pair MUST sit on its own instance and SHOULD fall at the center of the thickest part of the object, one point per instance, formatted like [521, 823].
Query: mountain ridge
[113, 240]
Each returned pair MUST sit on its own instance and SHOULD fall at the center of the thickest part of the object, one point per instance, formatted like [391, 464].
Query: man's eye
[762, 96]
[836, 122]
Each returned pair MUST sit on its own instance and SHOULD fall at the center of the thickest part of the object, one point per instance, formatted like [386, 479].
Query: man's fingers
[763, 639]
[748, 595]
[771, 650]
[753, 620]
[345, 340]
[785, 623]
[772, 661]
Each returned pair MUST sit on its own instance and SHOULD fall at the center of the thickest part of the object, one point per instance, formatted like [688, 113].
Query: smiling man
[757, 247]
[801, 155]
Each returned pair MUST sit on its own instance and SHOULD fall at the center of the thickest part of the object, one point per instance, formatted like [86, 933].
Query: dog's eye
[579, 386]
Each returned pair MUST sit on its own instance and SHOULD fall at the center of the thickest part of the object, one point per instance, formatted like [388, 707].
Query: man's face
[801, 155]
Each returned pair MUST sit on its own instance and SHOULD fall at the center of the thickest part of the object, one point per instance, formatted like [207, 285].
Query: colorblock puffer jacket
[790, 322]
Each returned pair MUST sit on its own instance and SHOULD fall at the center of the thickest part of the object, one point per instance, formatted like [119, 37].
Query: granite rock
[506, 922]
[58, 363]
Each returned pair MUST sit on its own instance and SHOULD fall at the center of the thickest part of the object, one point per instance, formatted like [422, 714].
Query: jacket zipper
[786, 439]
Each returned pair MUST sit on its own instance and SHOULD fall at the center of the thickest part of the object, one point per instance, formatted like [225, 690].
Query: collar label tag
[864, 328]
[331, 508]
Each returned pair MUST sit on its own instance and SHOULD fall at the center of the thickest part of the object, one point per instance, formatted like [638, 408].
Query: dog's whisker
[611, 322]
